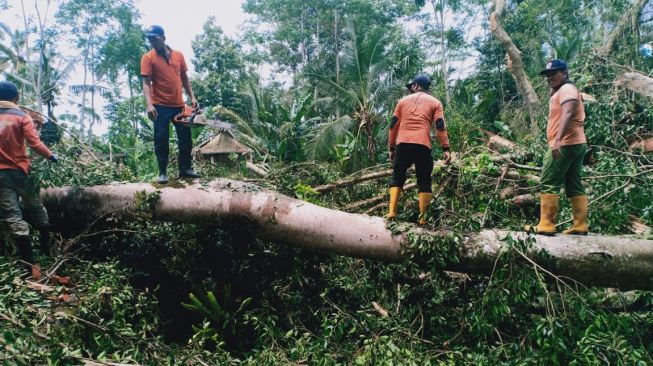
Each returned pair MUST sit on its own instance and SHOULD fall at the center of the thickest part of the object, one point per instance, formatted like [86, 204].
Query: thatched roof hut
[223, 144]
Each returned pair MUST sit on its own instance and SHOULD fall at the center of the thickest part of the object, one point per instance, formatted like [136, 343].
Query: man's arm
[147, 91]
[393, 131]
[568, 112]
[189, 90]
[32, 138]
[441, 132]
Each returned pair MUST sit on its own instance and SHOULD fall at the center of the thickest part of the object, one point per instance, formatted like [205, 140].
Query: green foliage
[226, 319]
[219, 63]
[268, 304]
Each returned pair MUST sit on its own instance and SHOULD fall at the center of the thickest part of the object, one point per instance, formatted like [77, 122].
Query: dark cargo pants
[15, 184]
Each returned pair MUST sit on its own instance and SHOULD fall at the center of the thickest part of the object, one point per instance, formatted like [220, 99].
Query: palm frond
[241, 125]
[323, 137]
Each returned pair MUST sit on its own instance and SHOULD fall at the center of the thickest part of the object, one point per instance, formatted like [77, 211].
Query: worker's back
[416, 113]
[16, 127]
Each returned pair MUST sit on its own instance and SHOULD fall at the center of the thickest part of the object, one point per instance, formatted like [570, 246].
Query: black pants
[407, 155]
[162, 137]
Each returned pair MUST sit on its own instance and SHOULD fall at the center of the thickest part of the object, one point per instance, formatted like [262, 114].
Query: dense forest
[309, 88]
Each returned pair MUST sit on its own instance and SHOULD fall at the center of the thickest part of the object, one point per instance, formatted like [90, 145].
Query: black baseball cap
[421, 80]
[8, 90]
[554, 65]
[154, 31]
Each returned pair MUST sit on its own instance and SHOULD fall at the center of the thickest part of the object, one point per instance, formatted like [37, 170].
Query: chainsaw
[193, 117]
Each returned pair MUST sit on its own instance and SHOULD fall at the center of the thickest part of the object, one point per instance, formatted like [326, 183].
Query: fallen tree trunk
[593, 260]
[636, 82]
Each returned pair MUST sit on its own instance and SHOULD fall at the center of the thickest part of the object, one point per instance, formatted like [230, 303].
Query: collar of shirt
[8, 105]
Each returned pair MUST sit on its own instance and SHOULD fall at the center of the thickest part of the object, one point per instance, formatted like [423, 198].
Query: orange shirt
[16, 127]
[416, 113]
[166, 77]
[575, 134]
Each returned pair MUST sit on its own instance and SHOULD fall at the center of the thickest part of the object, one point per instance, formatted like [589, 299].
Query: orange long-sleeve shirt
[16, 127]
[416, 113]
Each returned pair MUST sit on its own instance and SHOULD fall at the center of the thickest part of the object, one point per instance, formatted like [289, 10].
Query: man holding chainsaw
[164, 73]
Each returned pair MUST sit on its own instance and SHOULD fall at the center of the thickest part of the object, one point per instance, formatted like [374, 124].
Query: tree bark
[593, 260]
[516, 65]
[636, 82]
[620, 28]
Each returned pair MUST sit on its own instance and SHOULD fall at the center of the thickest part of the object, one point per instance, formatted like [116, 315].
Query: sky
[181, 20]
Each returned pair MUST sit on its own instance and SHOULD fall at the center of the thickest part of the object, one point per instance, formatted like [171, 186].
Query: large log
[636, 82]
[593, 260]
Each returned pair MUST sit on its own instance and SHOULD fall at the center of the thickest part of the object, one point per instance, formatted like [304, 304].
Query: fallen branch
[356, 180]
[376, 199]
[379, 309]
[526, 167]
[638, 227]
[496, 188]
[261, 172]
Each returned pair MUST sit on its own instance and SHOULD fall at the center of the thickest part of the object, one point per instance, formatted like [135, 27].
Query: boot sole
[533, 230]
[577, 233]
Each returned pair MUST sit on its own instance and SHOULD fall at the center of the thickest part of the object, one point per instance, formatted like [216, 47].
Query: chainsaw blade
[215, 123]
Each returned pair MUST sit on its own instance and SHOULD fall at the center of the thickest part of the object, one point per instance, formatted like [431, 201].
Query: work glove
[54, 158]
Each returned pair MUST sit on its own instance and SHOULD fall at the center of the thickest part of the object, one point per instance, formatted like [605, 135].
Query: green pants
[567, 169]
[15, 184]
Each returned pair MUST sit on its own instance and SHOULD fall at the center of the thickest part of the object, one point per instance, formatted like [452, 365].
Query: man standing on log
[563, 162]
[409, 142]
[164, 72]
[15, 127]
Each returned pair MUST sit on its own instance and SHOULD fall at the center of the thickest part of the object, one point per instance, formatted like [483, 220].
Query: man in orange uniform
[164, 72]
[563, 162]
[16, 127]
[410, 142]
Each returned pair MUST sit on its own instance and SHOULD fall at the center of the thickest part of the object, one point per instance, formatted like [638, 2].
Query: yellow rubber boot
[424, 203]
[579, 212]
[394, 192]
[548, 216]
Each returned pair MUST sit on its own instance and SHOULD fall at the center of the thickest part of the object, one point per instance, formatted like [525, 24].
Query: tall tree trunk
[337, 52]
[516, 64]
[439, 17]
[92, 121]
[620, 28]
[82, 113]
[592, 260]
[369, 132]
